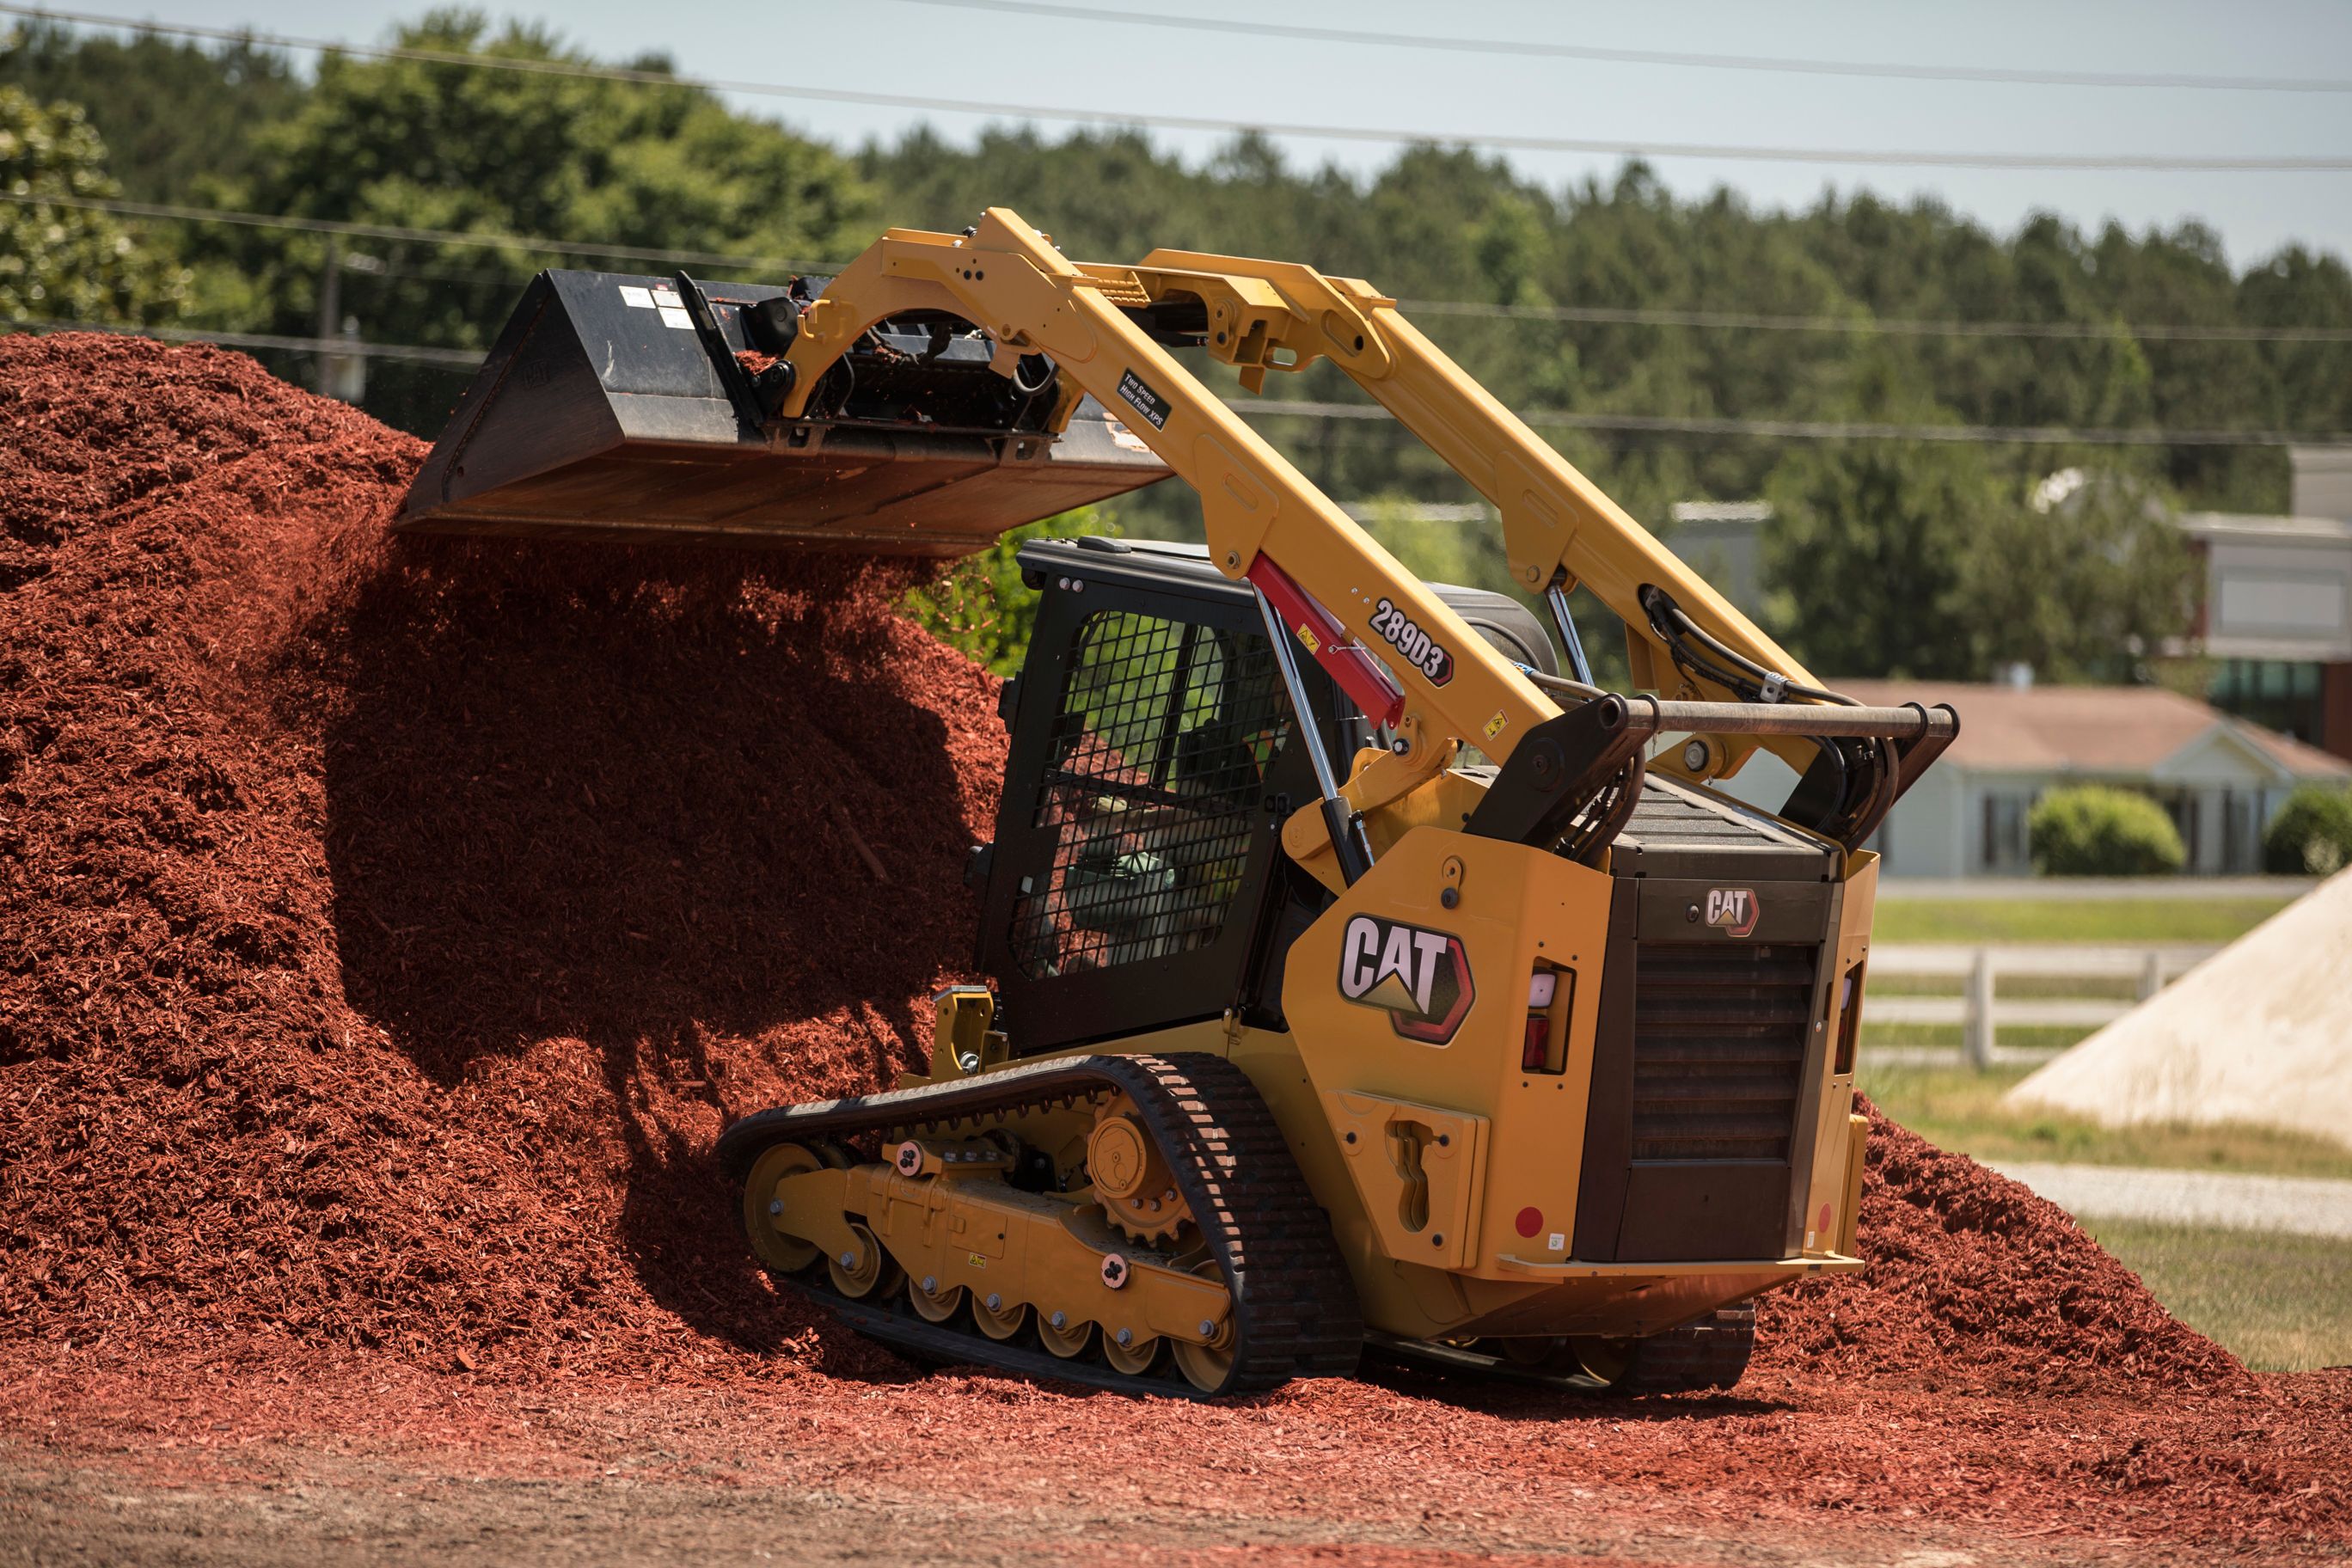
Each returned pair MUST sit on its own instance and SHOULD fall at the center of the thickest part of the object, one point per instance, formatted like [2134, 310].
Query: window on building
[2240, 840]
[2278, 694]
[2002, 846]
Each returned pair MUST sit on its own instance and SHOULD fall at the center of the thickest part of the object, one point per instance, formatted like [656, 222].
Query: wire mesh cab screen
[1152, 790]
[1136, 879]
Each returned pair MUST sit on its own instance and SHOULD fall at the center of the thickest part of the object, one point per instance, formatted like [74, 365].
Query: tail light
[1849, 1017]
[1535, 1054]
[1551, 992]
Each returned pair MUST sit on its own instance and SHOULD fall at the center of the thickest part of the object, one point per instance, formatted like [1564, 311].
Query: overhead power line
[1504, 142]
[531, 244]
[1559, 418]
[1573, 314]
[1579, 314]
[1532, 48]
[449, 359]
[1835, 430]
[1603, 315]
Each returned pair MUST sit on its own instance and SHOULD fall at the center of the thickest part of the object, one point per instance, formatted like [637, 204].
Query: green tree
[176, 117]
[449, 146]
[69, 263]
[1923, 561]
[1870, 556]
[2085, 587]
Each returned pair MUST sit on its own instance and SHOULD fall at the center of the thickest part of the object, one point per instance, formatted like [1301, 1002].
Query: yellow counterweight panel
[1427, 1166]
[1394, 994]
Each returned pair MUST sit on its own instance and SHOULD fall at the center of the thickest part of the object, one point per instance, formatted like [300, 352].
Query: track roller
[1066, 1336]
[1129, 1354]
[866, 1269]
[997, 1317]
[932, 1301]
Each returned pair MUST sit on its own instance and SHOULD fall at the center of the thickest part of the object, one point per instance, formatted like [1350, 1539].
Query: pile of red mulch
[1974, 1279]
[387, 928]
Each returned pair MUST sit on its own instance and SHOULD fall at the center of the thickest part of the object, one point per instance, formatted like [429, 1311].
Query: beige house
[2219, 777]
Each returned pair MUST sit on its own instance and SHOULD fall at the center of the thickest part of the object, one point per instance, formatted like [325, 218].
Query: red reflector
[1535, 1054]
[1530, 1221]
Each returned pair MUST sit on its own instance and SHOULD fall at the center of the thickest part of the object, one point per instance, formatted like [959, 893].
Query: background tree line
[1887, 557]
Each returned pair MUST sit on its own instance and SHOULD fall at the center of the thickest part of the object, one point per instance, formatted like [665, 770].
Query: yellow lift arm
[1331, 581]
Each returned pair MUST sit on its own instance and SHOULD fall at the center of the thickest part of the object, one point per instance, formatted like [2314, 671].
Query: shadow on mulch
[577, 806]
[1509, 1400]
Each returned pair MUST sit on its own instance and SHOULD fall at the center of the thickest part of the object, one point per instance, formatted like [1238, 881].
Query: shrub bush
[2090, 830]
[2312, 834]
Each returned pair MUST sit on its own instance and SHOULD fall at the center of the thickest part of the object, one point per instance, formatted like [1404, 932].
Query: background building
[2219, 777]
[2277, 618]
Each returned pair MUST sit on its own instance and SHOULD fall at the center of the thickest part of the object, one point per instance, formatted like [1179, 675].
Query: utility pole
[331, 317]
[341, 376]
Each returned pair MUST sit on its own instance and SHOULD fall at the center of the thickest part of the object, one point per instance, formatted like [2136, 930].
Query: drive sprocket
[1132, 1183]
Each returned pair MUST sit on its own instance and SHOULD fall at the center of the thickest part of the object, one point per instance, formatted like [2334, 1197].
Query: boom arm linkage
[1336, 588]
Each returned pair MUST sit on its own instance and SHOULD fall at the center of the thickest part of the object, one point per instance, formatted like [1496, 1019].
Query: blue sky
[903, 46]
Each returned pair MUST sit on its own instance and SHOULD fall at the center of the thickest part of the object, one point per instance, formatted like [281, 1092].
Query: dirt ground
[279, 1456]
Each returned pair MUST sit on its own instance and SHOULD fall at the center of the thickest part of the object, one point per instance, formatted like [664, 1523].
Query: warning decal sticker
[1143, 400]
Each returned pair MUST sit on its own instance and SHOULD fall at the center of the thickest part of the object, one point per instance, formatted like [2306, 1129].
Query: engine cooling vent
[1720, 1033]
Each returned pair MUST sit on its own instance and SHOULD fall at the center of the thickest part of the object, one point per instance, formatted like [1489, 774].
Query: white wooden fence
[1981, 1015]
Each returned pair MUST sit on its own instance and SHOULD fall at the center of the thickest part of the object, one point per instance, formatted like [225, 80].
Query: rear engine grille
[1720, 1033]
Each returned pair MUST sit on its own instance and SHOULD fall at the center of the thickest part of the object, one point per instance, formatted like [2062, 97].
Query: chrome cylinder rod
[1347, 830]
[1577, 662]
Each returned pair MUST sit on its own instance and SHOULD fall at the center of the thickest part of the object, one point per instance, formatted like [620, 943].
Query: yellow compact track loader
[1358, 977]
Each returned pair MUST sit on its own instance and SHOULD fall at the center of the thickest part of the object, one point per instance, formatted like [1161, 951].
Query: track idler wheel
[1208, 1366]
[775, 1248]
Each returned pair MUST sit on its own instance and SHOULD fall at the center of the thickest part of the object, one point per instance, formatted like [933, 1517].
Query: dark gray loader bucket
[604, 412]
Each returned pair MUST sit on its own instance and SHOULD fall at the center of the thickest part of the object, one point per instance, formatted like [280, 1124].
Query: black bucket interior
[601, 415]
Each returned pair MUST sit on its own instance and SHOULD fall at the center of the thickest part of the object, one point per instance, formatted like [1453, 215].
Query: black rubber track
[1294, 1311]
[1709, 1354]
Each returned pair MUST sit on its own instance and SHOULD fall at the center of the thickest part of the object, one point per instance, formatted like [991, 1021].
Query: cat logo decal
[1733, 910]
[1420, 978]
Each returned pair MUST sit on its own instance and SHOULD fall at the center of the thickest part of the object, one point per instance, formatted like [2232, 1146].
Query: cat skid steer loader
[1357, 976]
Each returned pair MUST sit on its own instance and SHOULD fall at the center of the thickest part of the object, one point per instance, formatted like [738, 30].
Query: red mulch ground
[388, 928]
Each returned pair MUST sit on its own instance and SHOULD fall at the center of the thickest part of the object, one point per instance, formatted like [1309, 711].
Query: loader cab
[1136, 879]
